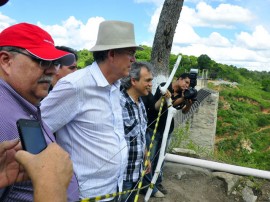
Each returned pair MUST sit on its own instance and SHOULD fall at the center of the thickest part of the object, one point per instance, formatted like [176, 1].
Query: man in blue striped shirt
[88, 122]
[134, 86]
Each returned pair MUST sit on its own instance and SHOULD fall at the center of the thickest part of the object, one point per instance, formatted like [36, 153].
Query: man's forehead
[185, 79]
[73, 64]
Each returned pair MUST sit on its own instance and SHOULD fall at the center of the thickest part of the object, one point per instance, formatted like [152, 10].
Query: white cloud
[224, 13]
[71, 32]
[249, 50]
[197, 1]
[246, 49]
[90, 30]
[154, 20]
[74, 33]
[5, 21]
[216, 40]
[184, 33]
[223, 16]
[241, 57]
[259, 39]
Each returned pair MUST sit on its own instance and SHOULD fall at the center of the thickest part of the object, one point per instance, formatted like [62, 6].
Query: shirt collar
[130, 99]
[7, 89]
[100, 78]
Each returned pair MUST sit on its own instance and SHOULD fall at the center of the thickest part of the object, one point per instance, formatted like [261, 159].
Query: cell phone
[31, 135]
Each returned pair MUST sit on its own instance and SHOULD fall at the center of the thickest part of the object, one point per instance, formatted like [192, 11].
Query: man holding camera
[182, 98]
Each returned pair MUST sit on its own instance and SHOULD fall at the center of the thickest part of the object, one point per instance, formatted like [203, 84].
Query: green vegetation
[179, 135]
[180, 138]
[243, 126]
[85, 58]
[258, 80]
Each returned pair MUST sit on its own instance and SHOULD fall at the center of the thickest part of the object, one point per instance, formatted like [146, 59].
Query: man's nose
[50, 71]
[133, 59]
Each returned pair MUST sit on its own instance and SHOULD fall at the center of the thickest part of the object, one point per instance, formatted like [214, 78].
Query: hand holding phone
[31, 136]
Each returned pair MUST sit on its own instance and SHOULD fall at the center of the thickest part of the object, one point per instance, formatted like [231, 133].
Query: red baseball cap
[36, 41]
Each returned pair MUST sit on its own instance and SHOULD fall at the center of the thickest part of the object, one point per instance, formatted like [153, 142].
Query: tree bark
[163, 40]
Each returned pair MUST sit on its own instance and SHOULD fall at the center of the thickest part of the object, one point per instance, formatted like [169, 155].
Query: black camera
[191, 94]
[193, 77]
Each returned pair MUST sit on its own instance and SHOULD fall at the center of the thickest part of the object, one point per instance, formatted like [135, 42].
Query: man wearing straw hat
[89, 121]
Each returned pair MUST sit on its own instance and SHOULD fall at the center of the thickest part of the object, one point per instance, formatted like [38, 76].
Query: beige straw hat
[114, 35]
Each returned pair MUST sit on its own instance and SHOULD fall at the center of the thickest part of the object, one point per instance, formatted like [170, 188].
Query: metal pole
[218, 166]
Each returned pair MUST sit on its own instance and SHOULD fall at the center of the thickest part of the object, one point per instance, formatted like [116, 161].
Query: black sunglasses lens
[73, 67]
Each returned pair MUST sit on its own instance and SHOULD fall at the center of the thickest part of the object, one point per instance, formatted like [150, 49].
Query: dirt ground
[196, 188]
[200, 186]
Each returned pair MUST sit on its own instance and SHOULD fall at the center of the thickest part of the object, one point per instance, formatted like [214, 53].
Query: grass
[243, 126]
[243, 123]
[180, 139]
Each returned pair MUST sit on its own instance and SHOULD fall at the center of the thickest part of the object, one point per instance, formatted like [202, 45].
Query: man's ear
[111, 54]
[133, 81]
[5, 62]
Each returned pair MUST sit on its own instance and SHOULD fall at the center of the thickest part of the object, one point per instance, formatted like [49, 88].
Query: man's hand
[187, 107]
[10, 170]
[167, 94]
[50, 172]
[149, 167]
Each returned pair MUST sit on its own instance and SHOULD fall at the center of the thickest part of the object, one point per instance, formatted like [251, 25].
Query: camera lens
[190, 93]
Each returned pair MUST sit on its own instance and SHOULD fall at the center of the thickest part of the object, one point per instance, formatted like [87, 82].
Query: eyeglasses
[43, 64]
[73, 67]
[131, 53]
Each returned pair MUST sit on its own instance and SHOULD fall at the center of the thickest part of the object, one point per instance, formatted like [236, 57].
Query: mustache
[45, 79]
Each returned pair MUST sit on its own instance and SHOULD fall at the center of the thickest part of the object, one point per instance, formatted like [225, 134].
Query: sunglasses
[73, 67]
[43, 64]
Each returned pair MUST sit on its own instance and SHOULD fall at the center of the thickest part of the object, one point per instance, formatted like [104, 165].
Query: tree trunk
[163, 40]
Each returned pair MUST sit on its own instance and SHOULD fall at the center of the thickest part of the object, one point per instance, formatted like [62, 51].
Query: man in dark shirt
[176, 92]
[65, 69]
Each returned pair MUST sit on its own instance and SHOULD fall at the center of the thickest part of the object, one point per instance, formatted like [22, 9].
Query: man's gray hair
[135, 73]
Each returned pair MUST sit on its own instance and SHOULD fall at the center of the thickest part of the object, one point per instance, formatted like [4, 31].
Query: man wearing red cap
[28, 60]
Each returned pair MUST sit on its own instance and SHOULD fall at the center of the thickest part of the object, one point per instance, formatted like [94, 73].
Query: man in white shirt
[84, 108]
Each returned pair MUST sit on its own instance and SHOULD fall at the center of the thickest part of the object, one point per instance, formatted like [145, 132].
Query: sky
[233, 32]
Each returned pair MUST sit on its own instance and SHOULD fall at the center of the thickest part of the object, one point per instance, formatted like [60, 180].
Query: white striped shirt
[84, 110]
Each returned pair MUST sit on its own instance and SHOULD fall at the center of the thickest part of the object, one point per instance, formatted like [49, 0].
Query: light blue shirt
[84, 110]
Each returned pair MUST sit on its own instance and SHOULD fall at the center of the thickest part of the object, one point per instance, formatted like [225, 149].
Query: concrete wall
[203, 119]
[203, 123]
